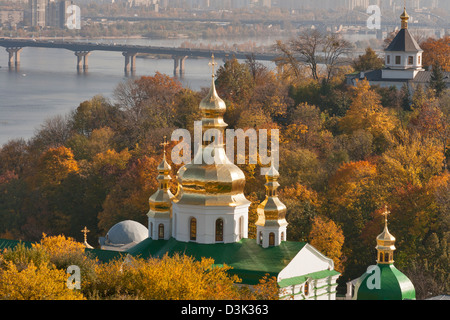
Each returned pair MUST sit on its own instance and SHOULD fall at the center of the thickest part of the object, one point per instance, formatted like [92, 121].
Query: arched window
[260, 237]
[271, 239]
[161, 231]
[282, 236]
[219, 229]
[386, 257]
[193, 229]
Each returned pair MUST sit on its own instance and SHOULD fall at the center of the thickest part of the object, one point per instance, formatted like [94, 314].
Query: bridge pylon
[178, 65]
[14, 57]
[82, 60]
[130, 61]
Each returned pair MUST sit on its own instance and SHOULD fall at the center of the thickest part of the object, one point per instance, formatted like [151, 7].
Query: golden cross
[85, 231]
[212, 64]
[385, 213]
[164, 144]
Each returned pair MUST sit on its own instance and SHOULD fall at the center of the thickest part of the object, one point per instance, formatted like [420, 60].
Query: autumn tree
[437, 51]
[314, 47]
[55, 165]
[128, 197]
[35, 283]
[367, 113]
[328, 238]
[94, 114]
[147, 103]
[234, 81]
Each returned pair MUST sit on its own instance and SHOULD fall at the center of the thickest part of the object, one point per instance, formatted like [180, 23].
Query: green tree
[368, 61]
[436, 82]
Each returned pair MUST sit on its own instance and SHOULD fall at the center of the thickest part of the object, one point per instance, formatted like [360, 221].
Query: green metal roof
[394, 285]
[249, 261]
[10, 244]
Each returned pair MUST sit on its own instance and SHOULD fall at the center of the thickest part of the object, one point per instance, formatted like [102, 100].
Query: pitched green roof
[10, 244]
[249, 261]
[394, 285]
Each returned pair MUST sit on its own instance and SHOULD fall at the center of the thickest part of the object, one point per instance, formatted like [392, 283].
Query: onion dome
[211, 179]
[384, 281]
[160, 201]
[385, 243]
[271, 212]
[404, 17]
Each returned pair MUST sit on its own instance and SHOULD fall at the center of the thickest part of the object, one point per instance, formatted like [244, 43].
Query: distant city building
[37, 13]
[11, 17]
[57, 13]
[47, 13]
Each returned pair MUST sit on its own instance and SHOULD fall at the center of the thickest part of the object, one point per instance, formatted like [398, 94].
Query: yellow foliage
[367, 113]
[55, 165]
[328, 238]
[170, 278]
[59, 245]
[32, 283]
[111, 158]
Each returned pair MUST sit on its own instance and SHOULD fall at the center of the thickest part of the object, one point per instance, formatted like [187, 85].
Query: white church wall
[307, 260]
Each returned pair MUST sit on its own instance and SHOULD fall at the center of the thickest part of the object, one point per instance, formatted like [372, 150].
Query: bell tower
[160, 213]
[271, 224]
[385, 243]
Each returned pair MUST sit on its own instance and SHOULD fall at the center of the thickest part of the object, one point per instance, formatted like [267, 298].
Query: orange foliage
[437, 50]
[55, 165]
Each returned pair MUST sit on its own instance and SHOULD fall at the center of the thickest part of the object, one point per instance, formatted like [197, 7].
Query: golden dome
[216, 182]
[404, 17]
[160, 201]
[271, 212]
[385, 243]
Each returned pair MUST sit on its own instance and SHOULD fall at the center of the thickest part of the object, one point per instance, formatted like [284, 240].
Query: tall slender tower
[160, 213]
[210, 206]
[271, 224]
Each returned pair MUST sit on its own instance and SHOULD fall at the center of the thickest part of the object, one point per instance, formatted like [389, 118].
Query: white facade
[402, 65]
[159, 227]
[209, 224]
[308, 261]
[268, 236]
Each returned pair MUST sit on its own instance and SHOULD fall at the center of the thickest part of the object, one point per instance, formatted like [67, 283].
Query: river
[47, 83]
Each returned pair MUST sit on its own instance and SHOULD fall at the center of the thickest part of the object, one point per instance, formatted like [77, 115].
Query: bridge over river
[83, 49]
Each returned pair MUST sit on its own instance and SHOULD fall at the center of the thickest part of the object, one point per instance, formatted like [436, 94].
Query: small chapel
[382, 281]
[402, 63]
[208, 217]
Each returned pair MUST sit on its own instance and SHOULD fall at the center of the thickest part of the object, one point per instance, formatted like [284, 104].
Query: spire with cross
[212, 64]
[85, 231]
[164, 144]
[385, 214]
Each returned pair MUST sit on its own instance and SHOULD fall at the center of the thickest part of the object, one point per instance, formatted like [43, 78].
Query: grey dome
[126, 232]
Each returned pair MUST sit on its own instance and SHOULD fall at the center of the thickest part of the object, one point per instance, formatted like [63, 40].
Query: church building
[382, 281]
[208, 217]
[403, 64]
